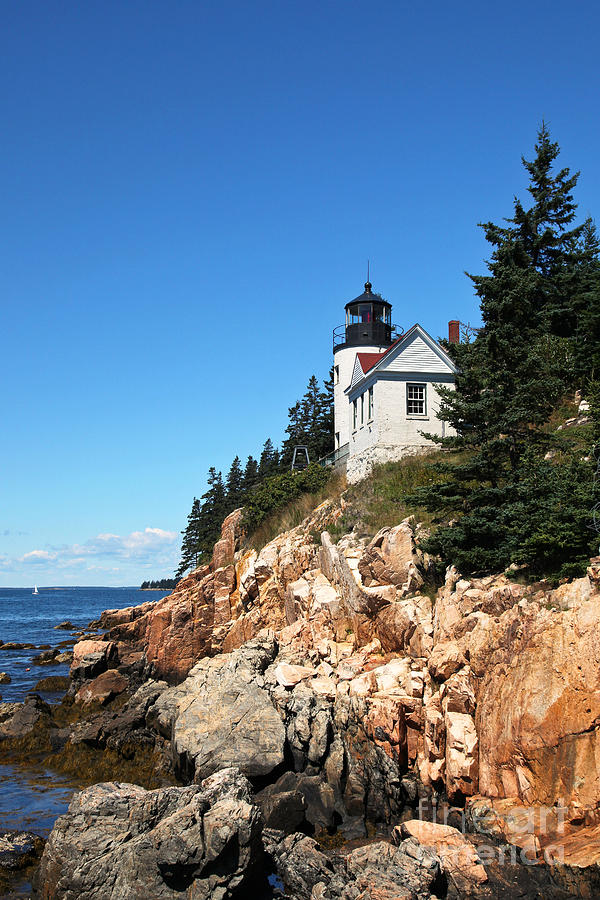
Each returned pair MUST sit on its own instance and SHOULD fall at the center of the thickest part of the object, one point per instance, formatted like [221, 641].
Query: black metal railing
[357, 333]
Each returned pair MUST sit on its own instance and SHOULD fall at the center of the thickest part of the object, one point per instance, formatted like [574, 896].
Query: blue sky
[190, 192]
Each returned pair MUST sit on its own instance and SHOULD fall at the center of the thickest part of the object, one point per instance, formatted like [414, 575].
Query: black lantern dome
[368, 322]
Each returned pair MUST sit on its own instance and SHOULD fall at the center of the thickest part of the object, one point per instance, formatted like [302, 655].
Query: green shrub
[278, 491]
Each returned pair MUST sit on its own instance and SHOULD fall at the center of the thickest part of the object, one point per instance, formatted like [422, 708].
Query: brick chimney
[454, 332]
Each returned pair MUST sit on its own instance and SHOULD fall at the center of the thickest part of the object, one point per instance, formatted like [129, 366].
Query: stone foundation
[360, 465]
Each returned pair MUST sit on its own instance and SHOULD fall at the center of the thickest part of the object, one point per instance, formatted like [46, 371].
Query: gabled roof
[370, 363]
[368, 360]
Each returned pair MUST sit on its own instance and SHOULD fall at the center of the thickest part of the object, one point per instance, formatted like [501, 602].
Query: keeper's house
[385, 386]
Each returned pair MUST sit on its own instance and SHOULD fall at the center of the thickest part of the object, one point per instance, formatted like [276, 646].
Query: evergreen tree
[311, 411]
[204, 524]
[310, 423]
[510, 378]
[586, 309]
[276, 461]
[295, 435]
[250, 477]
[213, 511]
[269, 460]
[190, 546]
[235, 484]
[326, 415]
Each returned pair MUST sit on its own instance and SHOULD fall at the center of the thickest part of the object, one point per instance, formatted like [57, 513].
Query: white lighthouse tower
[368, 329]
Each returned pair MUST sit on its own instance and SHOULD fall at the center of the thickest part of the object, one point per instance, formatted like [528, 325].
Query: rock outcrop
[220, 716]
[347, 696]
[118, 842]
[378, 871]
[491, 690]
[220, 606]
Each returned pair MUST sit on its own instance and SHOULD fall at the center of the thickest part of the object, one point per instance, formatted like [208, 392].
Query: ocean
[32, 797]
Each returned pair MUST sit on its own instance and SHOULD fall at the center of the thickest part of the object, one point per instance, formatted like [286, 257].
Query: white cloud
[150, 549]
[37, 556]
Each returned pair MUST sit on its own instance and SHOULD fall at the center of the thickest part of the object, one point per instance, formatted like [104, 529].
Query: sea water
[31, 797]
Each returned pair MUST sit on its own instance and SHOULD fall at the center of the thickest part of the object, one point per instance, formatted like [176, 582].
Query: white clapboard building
[385, 386]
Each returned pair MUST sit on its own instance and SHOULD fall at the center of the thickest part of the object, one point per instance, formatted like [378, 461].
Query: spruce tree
[312, 406]
[296, 435]
[269, 460]
[510, 378]
[213, 511]
[190, 546]
[326, 416]
[250, 477]
[310, 423]
[586, 310]
[234, 485]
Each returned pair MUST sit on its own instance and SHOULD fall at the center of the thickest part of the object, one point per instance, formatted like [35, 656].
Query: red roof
[368, 360]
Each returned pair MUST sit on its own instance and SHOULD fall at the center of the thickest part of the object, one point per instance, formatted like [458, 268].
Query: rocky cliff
[349, 697]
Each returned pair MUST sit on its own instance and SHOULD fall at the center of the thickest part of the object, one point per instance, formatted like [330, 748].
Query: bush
[278, 491]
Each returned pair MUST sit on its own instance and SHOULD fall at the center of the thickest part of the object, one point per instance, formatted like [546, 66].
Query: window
[370, 403]
[337, 440]
[337, 374]
[416, 400]
[360, 314]
[362, 409]
[354, 413]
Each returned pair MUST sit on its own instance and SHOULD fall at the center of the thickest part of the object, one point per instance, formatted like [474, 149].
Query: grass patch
[378, 501]
[294, 513]
[381, 500]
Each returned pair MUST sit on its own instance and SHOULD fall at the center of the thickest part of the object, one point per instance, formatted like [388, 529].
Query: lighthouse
[368, 329]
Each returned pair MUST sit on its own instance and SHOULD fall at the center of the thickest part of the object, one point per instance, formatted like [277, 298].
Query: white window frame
[416, 393]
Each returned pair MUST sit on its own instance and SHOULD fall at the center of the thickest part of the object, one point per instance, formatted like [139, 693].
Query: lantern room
[368, 321]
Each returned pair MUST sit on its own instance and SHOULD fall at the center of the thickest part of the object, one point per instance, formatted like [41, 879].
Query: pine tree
[213, 511]
[269, 460]
[310, 413]
[296, 435]
[234, 484]
[586, 309]
[250, 477]
[325, 418]
[190, 546]
[310, 423]
[510, 379]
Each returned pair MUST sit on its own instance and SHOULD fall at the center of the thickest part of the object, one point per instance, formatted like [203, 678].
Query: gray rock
[300, 863]
[221, 716]
[231, 723]
[406, 872]
[120, 842]
[318, 800]
[282, 809]
[45, 658]
[25, 717]
[19, 849]
[7, 710]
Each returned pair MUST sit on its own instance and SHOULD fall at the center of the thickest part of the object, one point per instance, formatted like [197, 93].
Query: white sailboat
[35, 590]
